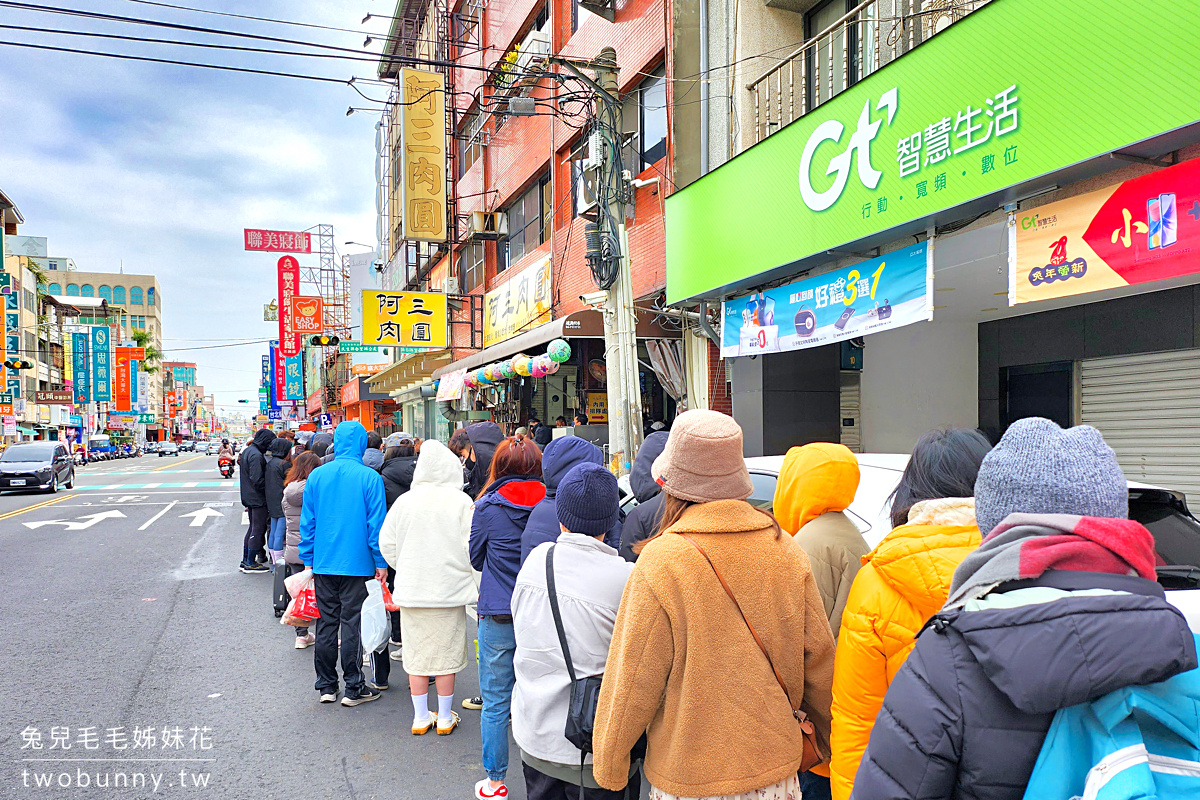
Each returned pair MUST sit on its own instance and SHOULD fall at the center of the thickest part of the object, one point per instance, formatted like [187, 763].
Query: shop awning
[26, 431]
[411, 371]
[585, 324]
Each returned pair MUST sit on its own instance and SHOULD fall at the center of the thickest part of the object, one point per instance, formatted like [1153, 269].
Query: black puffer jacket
[254, 470]
[485, 437]
[277, 470]
[967, 713]
[397, 476]
[641, 522]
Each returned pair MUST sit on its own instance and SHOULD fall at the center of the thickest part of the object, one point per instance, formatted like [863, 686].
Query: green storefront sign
[146, 419]
[1016, 90]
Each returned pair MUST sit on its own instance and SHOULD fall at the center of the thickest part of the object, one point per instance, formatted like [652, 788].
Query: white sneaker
[329, 697]
[397, 654]
[305, 641]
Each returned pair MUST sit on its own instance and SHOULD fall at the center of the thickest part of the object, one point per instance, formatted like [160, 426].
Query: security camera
[593, 298]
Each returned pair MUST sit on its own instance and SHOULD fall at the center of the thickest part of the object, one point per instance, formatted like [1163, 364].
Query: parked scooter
[225, 465]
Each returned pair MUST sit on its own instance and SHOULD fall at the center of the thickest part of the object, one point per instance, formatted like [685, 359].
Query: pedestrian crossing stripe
[123, 486]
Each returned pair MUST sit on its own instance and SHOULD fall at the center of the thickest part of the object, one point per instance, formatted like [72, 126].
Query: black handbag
[585, 692]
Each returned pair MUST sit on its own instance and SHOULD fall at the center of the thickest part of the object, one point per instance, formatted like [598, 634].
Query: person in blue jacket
[513, 488]
[343, 510]
[557, 460]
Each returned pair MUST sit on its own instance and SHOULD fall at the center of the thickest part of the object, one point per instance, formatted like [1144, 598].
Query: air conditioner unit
[489, 224]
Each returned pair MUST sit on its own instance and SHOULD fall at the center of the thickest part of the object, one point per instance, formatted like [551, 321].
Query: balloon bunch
[520, 366]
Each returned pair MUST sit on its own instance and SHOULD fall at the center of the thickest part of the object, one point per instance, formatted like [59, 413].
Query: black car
[37, 465]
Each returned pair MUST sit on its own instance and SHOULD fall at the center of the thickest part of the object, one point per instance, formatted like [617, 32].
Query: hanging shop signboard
[450, 386]
[277, 241]
[289, 285]
[1141, 230]
[308, 315]
[80, 372]
[404, 318]
[523, 302]
[967, 116]
[597, 408]
[101, 365]
[293, 368]
[422, 109]
[888, 292]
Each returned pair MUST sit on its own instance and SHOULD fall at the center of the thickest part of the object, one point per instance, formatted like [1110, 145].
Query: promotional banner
[293, 369]
[289, 284]
[964, 118]
[308, 315]
[134, 370]
[277, 241]
[450, 387]
[80, 368]
[264, 403]
[123, 379]
[404, 318]
[523, 302]
[1141, 230]
[101, 365]
[891, 291]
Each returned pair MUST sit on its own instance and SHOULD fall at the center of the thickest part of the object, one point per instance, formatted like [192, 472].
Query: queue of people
[1006, 624]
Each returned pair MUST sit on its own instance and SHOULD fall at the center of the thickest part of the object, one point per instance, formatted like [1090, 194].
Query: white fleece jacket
[424, 536]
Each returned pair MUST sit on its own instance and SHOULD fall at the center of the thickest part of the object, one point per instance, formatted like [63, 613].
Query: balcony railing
[871, 34]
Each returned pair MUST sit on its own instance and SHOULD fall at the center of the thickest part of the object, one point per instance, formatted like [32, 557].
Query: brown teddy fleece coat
[684, 668]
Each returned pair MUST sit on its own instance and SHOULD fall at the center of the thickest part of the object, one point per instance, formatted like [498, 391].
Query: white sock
[445, 710]
[420, 709]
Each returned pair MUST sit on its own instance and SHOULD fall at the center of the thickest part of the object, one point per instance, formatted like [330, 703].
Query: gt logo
[839, 165]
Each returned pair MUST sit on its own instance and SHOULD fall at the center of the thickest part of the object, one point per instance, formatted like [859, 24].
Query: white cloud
[160, 168]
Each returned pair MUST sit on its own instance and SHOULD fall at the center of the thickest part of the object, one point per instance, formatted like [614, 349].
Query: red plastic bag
[302, 611]
[388, 603]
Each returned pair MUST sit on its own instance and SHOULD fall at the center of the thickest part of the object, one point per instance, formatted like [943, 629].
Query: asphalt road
[124, 609]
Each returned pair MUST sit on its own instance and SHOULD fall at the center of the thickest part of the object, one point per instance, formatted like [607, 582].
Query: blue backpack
[1137, 742]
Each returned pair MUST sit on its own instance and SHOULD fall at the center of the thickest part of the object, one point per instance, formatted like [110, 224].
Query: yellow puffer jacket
[904, 581]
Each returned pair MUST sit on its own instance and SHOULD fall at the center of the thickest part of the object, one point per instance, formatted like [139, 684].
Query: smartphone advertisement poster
[891, 291]
[1141, 230]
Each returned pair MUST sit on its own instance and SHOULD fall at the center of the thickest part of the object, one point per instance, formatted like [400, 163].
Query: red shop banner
[289, 285]
[277, 241]
[122, 391]
[280, 373]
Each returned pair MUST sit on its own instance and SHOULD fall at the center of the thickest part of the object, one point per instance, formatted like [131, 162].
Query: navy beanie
[587, 500]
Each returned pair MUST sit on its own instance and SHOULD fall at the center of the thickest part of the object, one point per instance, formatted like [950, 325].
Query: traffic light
[19, 363]
[323, 340]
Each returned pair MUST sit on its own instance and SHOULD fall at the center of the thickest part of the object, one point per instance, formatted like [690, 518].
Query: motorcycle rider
[225, 449]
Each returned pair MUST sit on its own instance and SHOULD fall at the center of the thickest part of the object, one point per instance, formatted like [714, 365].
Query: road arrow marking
[82, 523]
[199, 515]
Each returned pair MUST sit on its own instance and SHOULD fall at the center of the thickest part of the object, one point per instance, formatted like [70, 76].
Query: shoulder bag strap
[558, 626]
[742, 614]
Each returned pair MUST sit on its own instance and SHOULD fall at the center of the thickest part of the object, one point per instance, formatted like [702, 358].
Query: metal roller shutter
[1148, 408]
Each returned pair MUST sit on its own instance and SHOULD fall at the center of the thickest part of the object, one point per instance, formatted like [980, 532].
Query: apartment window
[55, 288]
[135, 295]
[87, 291]
[30, 300]
[470, 145]
[824, 61]
[652, 118]
[150, 296]
[528, 223]
[119, 295]
[31, 347]
[72, 290]
[470, 267]
[574, 15]
[106, 293]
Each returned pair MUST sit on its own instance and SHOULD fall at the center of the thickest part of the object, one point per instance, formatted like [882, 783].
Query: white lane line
[152, 485]
[155, 518]
[191, 484]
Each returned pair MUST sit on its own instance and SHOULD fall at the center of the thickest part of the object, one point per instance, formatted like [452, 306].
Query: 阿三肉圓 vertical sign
[968, 114]
[422, 110]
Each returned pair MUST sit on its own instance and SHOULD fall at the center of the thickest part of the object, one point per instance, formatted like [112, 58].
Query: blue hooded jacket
[557, 460]
[1139, 741]
[343, 510]
[501, 515]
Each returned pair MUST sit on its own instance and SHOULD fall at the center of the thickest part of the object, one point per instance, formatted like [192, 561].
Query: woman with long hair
[293, 500]
[720, 607]
[903, 582]
[514, 486]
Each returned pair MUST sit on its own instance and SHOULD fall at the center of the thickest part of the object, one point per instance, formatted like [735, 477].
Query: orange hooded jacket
[904, 581]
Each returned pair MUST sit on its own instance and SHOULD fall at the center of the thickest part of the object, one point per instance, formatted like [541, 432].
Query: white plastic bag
[376, 626]
[296, 582]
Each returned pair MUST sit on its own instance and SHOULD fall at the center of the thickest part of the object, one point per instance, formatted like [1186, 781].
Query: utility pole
[620, 322]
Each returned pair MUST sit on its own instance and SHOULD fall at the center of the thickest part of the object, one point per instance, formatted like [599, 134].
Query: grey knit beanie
[1039, 468]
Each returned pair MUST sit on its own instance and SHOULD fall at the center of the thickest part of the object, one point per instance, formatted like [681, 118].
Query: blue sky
[161, 167]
